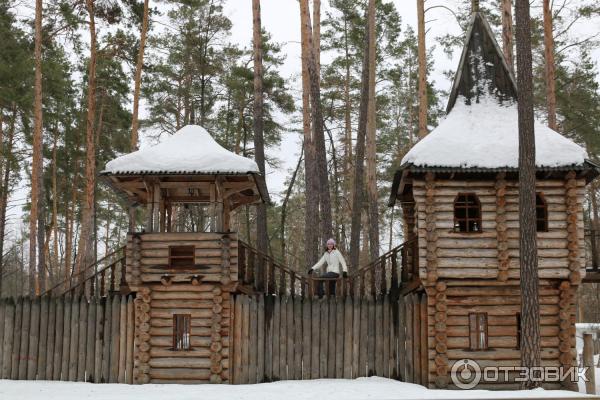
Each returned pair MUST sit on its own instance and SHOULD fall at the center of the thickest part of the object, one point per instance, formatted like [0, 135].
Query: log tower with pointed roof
[182, 264]
[458, 189]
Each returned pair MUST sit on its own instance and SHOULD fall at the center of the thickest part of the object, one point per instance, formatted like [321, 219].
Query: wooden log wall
[501, 302]
[285, 337]
[147, 257]
[67, 338]
[207, 361]
[482, 255]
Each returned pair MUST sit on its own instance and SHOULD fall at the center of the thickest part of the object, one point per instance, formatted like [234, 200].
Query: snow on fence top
[190, 150]
[485, 134]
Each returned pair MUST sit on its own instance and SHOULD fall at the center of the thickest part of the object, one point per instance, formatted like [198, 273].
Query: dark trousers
[321, 287]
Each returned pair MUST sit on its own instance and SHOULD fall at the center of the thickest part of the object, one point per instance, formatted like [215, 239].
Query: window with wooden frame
[467, 213]
[181, 256]
[182, 325]
[541, 213]
[478, 331]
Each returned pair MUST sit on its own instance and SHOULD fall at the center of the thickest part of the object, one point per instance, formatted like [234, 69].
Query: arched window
[467, 213]
[541, 213]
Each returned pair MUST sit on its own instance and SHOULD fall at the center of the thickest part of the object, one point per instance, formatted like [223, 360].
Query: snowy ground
[325, 389]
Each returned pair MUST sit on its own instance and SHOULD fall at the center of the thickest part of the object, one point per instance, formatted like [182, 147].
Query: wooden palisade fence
[292, 337]
[67, 338]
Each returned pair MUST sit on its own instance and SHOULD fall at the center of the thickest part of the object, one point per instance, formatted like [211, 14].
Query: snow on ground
[191, 149]
[486, 135]
[323, 389]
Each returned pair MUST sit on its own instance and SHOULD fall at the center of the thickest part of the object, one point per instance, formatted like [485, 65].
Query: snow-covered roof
[486, 135]
[191, 150]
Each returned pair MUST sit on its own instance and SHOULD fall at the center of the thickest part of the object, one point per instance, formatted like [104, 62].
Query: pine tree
[530, 307]
[259, 145]
[138, 75]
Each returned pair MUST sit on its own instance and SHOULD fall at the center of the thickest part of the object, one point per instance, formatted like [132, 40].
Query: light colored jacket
[333, 261]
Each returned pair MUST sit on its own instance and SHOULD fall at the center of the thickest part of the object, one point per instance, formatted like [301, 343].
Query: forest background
[198, 68]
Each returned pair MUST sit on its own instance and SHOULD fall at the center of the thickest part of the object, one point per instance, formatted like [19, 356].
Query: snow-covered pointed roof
[482, 69]
[486, 135]
[481, 127]
[191, 150]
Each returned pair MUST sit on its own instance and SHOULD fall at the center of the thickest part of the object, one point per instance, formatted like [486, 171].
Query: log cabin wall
[183, 311]
[215, 257]
[465, 273]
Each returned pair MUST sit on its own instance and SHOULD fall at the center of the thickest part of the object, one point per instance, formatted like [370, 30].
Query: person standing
[336, 265]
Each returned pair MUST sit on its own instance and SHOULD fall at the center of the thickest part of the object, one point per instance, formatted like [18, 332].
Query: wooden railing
[105, 276]
[264, 274]
[592, 250]
[385, 274]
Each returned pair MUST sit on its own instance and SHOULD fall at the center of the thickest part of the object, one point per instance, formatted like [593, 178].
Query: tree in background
[85, 247]
[138, 75]
[507, 33]
[530, 306]
[258, 124]
[422, 69]
[371, 138]
[36, 214]
[550, 76]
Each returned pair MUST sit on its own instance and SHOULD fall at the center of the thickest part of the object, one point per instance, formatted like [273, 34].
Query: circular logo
[465, 373]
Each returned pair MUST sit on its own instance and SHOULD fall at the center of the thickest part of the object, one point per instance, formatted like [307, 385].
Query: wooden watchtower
[183, 274]
[458, 189]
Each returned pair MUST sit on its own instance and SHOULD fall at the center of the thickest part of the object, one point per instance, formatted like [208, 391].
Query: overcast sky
[281, 18]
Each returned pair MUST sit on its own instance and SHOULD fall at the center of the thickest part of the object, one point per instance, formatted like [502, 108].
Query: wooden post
[43, 339]
[24, 349]
[130, 335]
[83, 324]
[7, 343]
[588, 361]
[34, 339]
[122, 339]
[49, 361]
[90, 340]
[131, 210]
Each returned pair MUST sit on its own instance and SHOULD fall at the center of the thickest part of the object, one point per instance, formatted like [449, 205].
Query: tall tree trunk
[310, 169]
[5, 188]
[422, 69]
[550, 66]
[85, 249]
[316, 35]
[54, 263]
[138, 78]
[359, 167]
[284, 205]
[325, 217]
[372, 203]
[347, 121]
[530, 307]
[507, 33]
[259, 143]
[37, 161]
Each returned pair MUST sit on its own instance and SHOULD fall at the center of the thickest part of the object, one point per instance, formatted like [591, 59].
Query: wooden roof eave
[115, 182]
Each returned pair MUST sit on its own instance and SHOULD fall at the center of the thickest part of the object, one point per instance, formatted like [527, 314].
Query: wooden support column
[439, 300]
[573, 207]
[219, 206]
[566, 333]
[149, 204]
[501, 228]
[156, 203]
[141, 355]
[136, 262]
[431, 235]
[217, 372]
[212, 209]
[132, 221]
